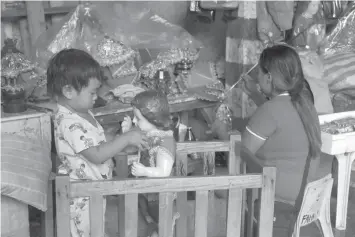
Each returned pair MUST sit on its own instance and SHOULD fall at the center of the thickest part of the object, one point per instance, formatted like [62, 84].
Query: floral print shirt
[73, 134]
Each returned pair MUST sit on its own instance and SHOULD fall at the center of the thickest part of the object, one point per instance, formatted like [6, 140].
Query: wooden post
[25, 36]
[62, 188]
[267, 200]
[181, 200]
[122, 173]
[36, 20]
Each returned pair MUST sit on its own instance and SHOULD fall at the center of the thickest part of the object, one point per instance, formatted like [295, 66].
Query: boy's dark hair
[71, 67]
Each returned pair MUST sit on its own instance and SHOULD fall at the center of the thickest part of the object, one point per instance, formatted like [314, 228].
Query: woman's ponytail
[308, 114]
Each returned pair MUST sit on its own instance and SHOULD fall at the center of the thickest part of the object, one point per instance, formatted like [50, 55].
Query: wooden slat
[26, 39]
[266, 217]
[165, 214]
[181, 199]
[201, 213]
[234, 212]
[234, 154]
[13, 13]
[62, 187]
[36, 21]
[47, 217]
[97, 215]
[182, 208]
[209, 146]
[131, 215]
[171, 184]
[252, 196]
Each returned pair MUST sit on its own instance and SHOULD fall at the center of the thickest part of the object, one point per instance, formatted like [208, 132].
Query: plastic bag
[83, 29]
[281, 13]
[142, 28]
[109, 31]
[309, 25]
[313, 69]
[267, 29]
[342, 38]
[333, 9]
[340, 72]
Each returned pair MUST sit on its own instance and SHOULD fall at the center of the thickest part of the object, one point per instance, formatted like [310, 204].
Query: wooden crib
[128, 189]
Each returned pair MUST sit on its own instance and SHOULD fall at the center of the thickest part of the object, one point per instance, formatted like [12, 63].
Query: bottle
[162, 83]
[190, 137]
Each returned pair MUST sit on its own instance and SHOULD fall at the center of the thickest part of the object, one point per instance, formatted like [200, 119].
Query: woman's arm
[252, 141]
[260, 127]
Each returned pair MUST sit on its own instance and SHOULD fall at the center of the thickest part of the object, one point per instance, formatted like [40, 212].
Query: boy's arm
[105, 151]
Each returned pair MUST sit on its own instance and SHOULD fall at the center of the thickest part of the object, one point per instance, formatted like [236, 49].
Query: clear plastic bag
[125, 25]
[308, 26]
[342, 38]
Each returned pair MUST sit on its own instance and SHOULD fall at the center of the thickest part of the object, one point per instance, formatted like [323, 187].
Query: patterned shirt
[73, 134]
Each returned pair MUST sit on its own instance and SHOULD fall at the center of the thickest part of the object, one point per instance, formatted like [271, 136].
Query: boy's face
[85, 99]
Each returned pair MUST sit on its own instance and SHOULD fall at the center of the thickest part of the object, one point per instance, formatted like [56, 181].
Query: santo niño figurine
[151, 115]
[308, 25]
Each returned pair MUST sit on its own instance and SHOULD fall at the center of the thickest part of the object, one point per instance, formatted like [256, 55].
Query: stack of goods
[339, 62]
[168, 72]
[340, 126]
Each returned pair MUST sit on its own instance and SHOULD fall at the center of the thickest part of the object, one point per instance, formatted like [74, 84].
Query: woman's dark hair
[154, 106]
[71, 67]
[284, 61]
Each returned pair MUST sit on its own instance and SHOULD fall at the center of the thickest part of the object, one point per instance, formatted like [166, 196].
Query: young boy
[74, 78]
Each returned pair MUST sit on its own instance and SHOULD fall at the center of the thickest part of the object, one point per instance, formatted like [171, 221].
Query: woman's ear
[68, 92]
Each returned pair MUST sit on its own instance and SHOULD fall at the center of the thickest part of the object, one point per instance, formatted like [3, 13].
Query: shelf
[14, 13]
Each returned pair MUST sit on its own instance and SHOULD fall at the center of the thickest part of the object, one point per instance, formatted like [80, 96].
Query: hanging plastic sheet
[125, 26]
[281, 13]
[85, 29]
[342, 38]
[308, 26]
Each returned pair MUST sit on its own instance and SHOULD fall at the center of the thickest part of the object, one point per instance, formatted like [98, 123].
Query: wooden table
[343, 148]
[115, 111]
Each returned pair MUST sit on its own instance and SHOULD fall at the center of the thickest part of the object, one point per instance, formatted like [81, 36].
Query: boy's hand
[126, 124]
[137, 138]
[138, 169]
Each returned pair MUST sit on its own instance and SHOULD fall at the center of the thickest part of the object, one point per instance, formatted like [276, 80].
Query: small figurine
[309, 25]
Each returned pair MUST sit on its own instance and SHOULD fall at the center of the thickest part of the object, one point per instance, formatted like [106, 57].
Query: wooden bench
[130, 188]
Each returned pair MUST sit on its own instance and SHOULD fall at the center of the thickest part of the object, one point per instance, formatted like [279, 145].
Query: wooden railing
[130, 188]
[262, 179]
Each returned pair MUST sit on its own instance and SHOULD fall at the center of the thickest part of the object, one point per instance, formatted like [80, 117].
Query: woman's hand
[138, 169]
[126, 124]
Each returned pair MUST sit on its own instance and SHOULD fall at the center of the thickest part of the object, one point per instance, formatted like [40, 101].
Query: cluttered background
[189, 43]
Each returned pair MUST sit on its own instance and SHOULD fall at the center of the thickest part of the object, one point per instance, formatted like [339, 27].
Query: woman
[284, 132]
